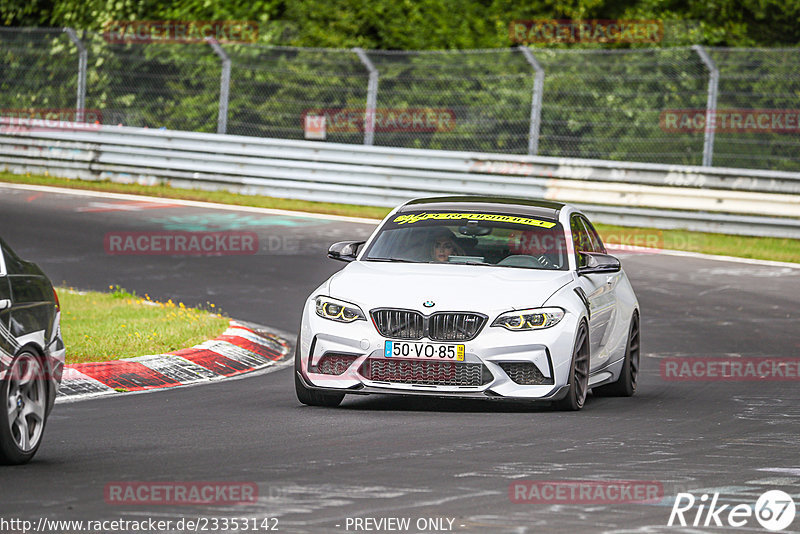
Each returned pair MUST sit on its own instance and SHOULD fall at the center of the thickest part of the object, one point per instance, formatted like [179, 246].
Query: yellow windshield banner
[411, 218]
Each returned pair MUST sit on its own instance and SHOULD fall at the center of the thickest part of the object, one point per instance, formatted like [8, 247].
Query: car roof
[512, 205]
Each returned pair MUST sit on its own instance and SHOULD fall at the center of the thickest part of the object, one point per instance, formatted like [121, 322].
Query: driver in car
[444, 245]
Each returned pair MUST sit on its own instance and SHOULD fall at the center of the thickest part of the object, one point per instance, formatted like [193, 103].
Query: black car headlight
[337, 310]
[530, 319]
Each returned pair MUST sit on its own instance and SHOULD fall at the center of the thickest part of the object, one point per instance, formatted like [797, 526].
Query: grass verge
[764, 248]
[108, 326]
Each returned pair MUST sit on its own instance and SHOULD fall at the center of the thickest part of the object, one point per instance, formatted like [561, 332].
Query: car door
[5, 300]
[31, 298]
[6, 341]
[599, 289]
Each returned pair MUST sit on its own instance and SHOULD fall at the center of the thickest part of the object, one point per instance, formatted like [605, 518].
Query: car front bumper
[494, 351]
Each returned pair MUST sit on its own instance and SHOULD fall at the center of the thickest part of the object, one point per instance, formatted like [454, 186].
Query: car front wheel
[578, 373]
[23, 416]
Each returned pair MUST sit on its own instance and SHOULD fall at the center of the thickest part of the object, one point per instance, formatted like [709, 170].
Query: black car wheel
[22, 419]
[578, 373]
[625, 386]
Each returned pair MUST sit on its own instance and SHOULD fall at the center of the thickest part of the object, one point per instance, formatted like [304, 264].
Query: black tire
[625, 385]
[308, 396]
[578, 374]
[24, 411]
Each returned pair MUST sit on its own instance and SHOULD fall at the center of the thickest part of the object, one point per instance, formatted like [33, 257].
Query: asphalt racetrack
[317, 469]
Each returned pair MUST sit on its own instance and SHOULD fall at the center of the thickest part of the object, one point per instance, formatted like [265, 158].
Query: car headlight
[532, 319]
[337, 310]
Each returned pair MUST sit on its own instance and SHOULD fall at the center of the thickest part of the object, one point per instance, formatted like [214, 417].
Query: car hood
[450, 287]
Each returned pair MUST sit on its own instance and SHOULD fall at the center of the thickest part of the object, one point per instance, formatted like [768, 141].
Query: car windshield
[472, 238]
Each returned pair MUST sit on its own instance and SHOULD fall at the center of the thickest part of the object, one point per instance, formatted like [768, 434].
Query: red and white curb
[242, 348]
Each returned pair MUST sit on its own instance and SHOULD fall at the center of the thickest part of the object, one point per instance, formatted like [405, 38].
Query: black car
[31, 355]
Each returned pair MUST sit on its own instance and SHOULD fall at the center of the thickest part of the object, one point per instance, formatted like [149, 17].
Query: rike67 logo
[774, 510]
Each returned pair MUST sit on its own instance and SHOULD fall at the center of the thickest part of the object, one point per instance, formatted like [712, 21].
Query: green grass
[765, 248]
[108, 326]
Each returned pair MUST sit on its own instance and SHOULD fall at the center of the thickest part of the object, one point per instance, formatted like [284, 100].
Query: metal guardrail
[680, 105]
[736, 201]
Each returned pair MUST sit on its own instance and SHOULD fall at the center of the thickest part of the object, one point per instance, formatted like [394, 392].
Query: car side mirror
[4, 304]
[595, 262]
[344, 250]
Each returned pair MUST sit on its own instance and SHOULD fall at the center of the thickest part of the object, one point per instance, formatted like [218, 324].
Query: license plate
[423, 351]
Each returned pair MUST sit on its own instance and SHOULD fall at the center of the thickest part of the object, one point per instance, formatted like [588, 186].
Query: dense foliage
[429, 24]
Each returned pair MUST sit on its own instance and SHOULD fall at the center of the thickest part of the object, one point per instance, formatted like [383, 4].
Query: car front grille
[399, 324]
[334, 364]
[426, 373]
[441, 326]
[454, 326]
[525, 373]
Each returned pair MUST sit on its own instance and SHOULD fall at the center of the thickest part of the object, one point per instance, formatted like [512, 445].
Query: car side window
[14, 265]
[580, 239]
[594, 237]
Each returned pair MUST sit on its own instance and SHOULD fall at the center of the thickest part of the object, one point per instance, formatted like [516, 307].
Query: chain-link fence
[652, 105]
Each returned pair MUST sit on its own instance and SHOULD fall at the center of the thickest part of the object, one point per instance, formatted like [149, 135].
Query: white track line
[187, 203]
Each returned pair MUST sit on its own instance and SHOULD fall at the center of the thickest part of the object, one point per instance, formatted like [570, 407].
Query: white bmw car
[477, 297]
